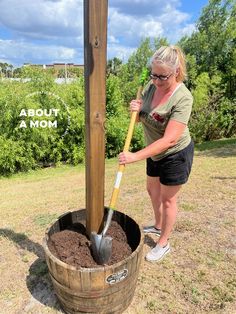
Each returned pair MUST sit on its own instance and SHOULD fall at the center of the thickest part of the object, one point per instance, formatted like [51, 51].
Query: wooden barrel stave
[106, 302]
[102, 290]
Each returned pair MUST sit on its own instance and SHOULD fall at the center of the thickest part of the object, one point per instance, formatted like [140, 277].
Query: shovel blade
[101, 248]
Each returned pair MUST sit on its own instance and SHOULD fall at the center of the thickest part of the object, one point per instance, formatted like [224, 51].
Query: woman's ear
[177, 72]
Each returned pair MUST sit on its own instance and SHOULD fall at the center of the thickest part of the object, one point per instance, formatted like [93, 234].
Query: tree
[140, 58]
[6, 69]
[114, 66]
[213, 42]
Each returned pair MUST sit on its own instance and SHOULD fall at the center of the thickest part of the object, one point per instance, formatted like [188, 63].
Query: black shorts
[173, 169]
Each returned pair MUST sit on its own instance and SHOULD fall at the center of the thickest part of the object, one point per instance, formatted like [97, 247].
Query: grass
[44, 220]
[197, 277]
[215, 144]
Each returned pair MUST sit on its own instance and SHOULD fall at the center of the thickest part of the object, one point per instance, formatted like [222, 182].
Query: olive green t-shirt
[178, 107]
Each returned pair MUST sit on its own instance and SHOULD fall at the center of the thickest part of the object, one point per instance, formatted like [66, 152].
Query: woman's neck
[169, 89]
[161, 95]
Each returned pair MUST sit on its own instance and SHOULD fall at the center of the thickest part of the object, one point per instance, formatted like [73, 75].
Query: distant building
[62, 66]
[57, 67]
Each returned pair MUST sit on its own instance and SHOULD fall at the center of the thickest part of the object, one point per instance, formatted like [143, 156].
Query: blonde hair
[173, 57]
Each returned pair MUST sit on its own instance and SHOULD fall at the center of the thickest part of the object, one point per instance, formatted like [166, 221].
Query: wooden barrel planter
[106, 289]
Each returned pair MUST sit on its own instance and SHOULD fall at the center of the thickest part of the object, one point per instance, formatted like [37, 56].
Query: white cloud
[151, 28]
[43, 18]
[142, 7]
[130, 29]
[120, 52]
[22, 52]
[52, 30]
[172, 15]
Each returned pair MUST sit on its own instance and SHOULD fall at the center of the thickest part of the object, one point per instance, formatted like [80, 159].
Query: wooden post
[95, 45]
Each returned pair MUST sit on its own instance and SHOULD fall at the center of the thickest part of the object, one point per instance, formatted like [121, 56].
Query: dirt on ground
[73, 247]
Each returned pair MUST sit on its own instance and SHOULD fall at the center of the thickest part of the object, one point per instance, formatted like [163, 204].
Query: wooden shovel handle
[121, 168]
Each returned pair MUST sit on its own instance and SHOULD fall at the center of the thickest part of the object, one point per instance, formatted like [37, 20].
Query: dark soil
[73, 247]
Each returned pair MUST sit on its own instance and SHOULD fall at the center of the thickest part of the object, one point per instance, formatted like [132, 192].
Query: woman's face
[163, 76]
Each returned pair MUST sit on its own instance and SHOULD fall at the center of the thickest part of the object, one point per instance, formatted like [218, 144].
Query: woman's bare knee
[153, 187]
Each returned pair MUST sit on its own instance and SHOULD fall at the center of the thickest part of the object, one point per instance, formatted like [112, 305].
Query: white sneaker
[157, 253]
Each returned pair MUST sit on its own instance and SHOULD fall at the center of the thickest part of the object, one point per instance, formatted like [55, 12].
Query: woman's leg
[154, 191]
[169, 213]
[169, 196]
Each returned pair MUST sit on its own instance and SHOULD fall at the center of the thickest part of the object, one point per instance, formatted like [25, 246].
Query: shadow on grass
[149, 241]
[218, 148]
[38, 280]
[223, 178]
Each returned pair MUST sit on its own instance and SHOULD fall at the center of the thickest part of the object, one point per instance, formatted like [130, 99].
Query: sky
[51, 31]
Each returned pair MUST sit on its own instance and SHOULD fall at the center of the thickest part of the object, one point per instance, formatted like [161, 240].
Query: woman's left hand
[127, 158]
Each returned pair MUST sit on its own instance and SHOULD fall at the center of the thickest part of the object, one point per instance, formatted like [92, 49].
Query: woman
[164, 112]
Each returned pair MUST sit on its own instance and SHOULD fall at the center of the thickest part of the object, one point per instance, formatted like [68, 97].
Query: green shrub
[27, 147]
[137, 141]
[116, 129]
[15, 156]
[213, 115]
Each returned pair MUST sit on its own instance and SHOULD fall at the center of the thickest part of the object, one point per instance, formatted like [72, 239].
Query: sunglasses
[160, 77]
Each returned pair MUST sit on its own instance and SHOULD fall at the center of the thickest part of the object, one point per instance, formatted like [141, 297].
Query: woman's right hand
[135, 105]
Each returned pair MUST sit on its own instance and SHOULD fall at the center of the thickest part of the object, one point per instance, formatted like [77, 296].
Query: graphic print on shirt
[157, 117]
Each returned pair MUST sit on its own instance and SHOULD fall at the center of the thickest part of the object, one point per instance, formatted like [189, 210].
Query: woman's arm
[173, 132]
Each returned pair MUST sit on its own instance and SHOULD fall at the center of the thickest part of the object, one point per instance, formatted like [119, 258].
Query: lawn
[197, 277]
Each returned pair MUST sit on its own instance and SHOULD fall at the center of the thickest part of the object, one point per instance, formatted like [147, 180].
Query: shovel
[101, 244]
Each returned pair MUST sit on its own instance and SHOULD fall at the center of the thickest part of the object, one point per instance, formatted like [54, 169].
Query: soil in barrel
[73, 247]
